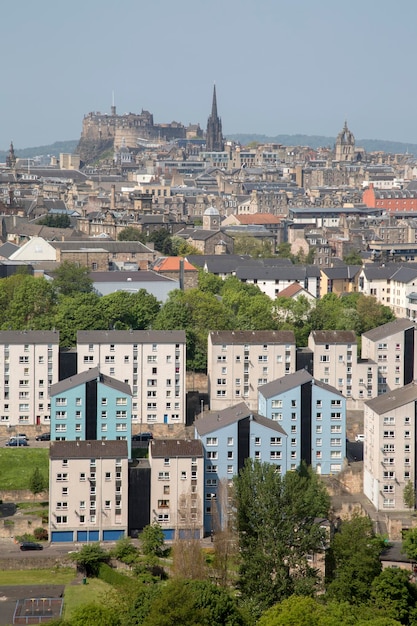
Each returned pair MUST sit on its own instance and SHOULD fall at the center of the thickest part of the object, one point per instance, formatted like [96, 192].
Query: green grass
[95, 591]
[33, 508]
[58, 576]
[16, 466]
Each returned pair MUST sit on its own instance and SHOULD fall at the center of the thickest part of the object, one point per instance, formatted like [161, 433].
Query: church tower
[11, 157]
[214, 137]
[345, 145]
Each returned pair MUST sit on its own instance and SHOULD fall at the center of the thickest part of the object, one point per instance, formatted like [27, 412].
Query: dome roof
[211, 211]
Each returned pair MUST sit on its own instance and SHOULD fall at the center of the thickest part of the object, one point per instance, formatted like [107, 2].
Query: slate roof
[393, 400]
[109, 245]
[386, 330]
[342, 272]
[86, 377]
[29, 336]
[7, 249]
[219, 419]
[254, 337]
[140, 276]
[284, 272]
[290, 381]
[334, 336]
[170, 448]
[90, 449]
[221, 263]
[131, 336]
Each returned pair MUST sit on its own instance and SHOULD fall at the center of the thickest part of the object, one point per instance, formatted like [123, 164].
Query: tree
[409, 495]
[37, 483]
[97, 614]
[125, 551]
[394, 594]
[33, 304]
[277, 526]
[71, 278]
[245, 244]
[162, 241]
[55, 221]
[88, 559]
[409, 546]
[131, 233]
[188, 559]
[353, 560]
[353, 257]
[80, 311]
[152, 540]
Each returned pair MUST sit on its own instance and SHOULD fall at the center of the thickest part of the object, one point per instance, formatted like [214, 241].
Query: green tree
[131, 233]
[394, 594]
[162, 241]
[180, 247]
[152, 540]
[90, 556]
[78, 312]
[409, 495]
[37, 482]
[95, 614]
[71, 278]
[247, 245]
[277, 527]
[209, 282]
[409, 546]
[125, 551]
[353, 560]
[33, 305]
[55, 221]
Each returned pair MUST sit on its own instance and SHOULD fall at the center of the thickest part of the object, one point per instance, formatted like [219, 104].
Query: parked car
[360, 437]
[142, 437]
[30, 545]
[43, 437]
[15, 442]
[22, 436]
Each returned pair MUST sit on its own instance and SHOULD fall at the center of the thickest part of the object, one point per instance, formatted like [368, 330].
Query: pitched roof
[254, 337]
[214, 420]
[342, 272]
[90, 449]
[169, 448]
[333, 336]
[290, 381]
[259, 218]
[29, 336]
[291, 291]
[131, 336]
[393, 400]
[86, 377]
[380, 332]
[172, 264]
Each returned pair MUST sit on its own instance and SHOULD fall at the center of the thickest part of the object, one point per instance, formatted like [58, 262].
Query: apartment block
[229, 437]
[88, 485]
[238, 362]
[313, 414]
[152, 363]
[177, 475]
[91, 406]
[389, 447]
[29, 364]
[336, 363]
[392, 347]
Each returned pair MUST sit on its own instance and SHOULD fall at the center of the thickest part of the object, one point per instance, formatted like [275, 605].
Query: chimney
[113, 198]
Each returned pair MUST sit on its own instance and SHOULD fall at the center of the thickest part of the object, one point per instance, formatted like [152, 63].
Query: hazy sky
[280, 66]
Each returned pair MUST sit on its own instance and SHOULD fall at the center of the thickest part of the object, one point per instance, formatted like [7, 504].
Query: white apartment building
[177, 487]
[389, 448]
[335, 362]
[29, 365]
[88, 491]
[393, 347]
[151, 362]
[238, 362]
[393, 285]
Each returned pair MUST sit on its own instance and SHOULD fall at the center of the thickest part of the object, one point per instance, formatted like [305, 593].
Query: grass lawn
[58, 576]
[93, 592]
[17, 465]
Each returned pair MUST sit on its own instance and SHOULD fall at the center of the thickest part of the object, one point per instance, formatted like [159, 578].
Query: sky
[280, 66]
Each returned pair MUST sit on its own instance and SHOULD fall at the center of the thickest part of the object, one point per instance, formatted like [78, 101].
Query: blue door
[112, 535]
[58, 536]
[166, 418]
[81, 535]
[169, 534]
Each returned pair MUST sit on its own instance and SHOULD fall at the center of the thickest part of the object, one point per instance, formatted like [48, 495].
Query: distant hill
[314, 141]
[317, 141]
[54, 149]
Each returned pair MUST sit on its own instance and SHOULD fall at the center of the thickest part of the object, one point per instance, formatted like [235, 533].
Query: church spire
[214, 137]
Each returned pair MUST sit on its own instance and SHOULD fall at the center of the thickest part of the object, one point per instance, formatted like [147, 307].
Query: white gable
[36, 249]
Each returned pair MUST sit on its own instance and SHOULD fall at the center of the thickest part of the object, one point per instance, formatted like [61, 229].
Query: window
[108, 475]
[121, 401]
[275, 454]
[276, 441]
[230, 441]
[61, 519]
[62, 477]
[276, 404]
[230, 469]
[211, 441]
[163, 476]
[230, 454]
[183, 475]
[212, 454]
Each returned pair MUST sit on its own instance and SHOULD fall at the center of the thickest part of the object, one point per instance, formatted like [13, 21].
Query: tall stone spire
[214, 137]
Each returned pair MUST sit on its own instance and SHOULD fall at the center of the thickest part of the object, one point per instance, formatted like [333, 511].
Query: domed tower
[211, 219]
[345, 145]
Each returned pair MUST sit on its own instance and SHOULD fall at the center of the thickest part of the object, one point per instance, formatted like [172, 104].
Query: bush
[25, 537]
[114, 578]
[125, 551]
[40, 534]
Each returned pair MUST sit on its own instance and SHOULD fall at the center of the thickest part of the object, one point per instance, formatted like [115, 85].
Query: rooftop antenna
[113, 106]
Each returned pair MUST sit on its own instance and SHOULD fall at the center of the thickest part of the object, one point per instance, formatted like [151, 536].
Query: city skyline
[279, 67]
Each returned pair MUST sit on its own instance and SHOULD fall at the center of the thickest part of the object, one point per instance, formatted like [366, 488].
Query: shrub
[41, 534]
[125, 551]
